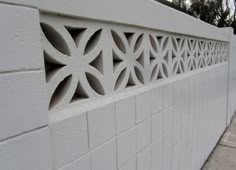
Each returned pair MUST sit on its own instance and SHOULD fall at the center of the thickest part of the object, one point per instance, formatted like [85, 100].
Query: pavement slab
[224, 155]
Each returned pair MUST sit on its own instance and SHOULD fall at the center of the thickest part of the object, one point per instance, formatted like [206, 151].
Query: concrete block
[131, 165]
[126, 146]
[185, 87]
[104, 157]
[23, 102]
[178, 90]
[176, 157]
[158, 114]
[193, 83]
[168, 118]
[143, 137]
[167, 162]
[157, 126]
[157, 100]
[168, 95]
[177, 122]
[143, 106]
[125, 114]
[101, 124]
[26, 152]
[156, 155]
[144, 160]
[69, 139]
[29, 3]
[167, 144]
[83, 163]
[20, 38]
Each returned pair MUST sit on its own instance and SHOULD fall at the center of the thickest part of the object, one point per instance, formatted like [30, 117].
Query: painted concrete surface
[144, 13]
[175, 135]
[232, 79]
[134, 93]
[223, 157]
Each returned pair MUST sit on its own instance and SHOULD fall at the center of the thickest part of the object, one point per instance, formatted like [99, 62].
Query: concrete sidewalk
[224, 155]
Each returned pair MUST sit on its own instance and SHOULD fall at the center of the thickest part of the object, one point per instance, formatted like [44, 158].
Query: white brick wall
[169, 125]
[104, 157]
[25, 152]
[126, 146]
[232, 76]
[27, 107]
[24, 135]
[69, 139]
[101, 125]
[125, 114]
[186, 129]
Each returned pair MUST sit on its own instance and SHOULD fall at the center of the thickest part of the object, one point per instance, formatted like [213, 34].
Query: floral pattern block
[128, 59]
[159, 56]
[179, 55]
[85, 60]
[74, 68]
[202, 53]
[192, 54]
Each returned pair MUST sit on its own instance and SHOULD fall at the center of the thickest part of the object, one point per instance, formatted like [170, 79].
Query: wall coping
[140, 13]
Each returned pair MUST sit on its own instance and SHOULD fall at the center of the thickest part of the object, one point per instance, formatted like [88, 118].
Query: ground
[224, 155]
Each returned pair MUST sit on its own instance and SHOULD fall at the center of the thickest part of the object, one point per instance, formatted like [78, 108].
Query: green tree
[215, 12]
[225, 19]
[180, 3]
[204, 11]
[175, 5]
[233, 24]
[234, 9]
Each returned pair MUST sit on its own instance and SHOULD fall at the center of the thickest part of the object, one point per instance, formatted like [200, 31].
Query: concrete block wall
[232, 76]
[24, 134]
[171, 124]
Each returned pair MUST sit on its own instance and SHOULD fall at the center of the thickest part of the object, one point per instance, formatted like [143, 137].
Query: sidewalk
[224, 155]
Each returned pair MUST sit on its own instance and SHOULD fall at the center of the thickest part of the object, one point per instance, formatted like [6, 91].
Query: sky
[231, 4]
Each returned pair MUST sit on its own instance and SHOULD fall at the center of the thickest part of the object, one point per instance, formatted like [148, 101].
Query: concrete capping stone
[27, 3]
[135, 12]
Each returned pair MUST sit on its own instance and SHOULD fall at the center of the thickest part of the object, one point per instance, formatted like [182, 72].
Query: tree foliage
[212, 11]
[215, 12]
[180, 3]
[175, 5]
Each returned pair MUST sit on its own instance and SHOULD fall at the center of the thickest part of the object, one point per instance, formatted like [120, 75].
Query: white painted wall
[180, 133]
[232, 77]
[169, 124]
[132, 12]
[24, 134]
